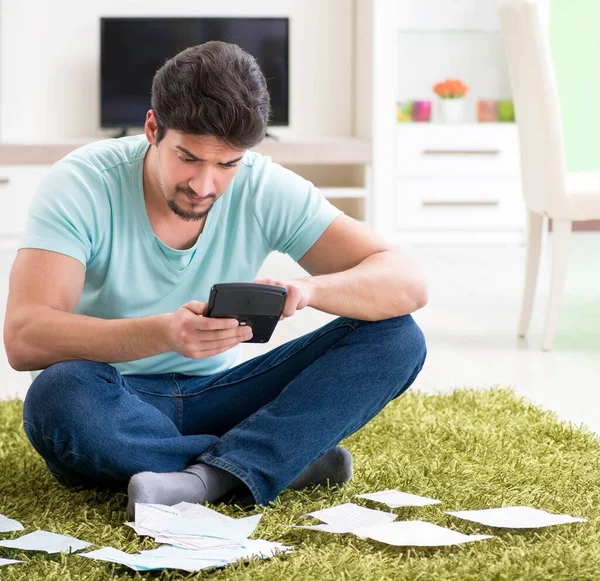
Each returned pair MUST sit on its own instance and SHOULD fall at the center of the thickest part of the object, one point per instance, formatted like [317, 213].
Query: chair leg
[561, 232]
[534, 247]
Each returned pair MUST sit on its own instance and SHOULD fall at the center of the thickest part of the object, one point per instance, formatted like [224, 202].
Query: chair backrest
[524, 28]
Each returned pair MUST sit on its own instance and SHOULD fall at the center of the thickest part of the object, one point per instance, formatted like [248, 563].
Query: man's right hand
[191, 334]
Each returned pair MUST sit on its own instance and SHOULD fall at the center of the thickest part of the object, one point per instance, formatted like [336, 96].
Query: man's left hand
[298, 294]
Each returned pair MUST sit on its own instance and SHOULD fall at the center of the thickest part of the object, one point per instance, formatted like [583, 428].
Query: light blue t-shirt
[91, 206]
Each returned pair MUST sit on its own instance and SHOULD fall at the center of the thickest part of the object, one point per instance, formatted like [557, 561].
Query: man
[108, 290]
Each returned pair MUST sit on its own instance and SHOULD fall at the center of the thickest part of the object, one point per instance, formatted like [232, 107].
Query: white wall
[49, 67]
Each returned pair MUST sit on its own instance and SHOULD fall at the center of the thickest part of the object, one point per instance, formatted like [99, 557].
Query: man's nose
[203, 184]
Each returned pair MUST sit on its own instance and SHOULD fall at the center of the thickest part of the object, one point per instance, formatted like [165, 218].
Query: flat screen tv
[133, 49]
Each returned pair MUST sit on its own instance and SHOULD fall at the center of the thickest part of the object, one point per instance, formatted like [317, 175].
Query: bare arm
[356, 273]
[384, 285]
[41, 329]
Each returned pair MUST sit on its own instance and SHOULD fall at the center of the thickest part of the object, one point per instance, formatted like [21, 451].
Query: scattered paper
[195, 537]
[8, 524]
[169, 557]
[229, 554]
[347, 517]
[176, 520]
[416, 533]
[396, 499]
[516, 517]
[45, 541]
[324, 528]
[9, 562]
[191, 542]
[198, 510]
[140, 563]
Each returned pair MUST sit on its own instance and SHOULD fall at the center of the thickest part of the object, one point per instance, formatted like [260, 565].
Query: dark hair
[215, 88]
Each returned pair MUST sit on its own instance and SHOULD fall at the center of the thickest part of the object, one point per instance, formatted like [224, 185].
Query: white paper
[170, 520]
[198, 511]
[324, 528]
[250, 548]
[8, 524]
[169, 557]
[189, 542]
[235, 529]
[45, 541]
[416, 533]
[346, 517]
[190, 565]
[515, 517]
[396, 499]
[9, 562]
[195, 537]
[141, 563]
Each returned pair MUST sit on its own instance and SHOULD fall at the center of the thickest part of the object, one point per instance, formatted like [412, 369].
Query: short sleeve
[69, 212]
[291, 211]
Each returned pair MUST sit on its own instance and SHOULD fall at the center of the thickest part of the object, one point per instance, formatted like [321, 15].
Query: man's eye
[229, 166]
[186, 159]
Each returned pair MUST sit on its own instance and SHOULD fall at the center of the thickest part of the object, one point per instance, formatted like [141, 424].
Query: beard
[183, 213]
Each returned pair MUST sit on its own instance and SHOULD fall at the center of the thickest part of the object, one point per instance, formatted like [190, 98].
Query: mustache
[191, 192]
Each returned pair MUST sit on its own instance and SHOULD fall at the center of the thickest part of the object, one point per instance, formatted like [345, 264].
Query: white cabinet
[459, 205]
[450, 180]
[18, 184]
[434, 182]
[472, 151]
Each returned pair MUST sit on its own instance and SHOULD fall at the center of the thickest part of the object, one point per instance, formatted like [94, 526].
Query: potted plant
[451, 92]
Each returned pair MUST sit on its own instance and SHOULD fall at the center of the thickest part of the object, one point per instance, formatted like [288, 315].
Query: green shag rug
[471, 449]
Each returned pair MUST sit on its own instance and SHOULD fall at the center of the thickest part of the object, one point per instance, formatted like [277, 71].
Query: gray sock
[197, 483]
[333, 468]
[203, 483]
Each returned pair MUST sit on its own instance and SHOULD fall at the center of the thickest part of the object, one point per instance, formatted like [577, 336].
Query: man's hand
[299, 292]
[191, 334]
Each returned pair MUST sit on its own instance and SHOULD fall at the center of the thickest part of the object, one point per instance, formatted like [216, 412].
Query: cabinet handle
[4, 181]
[461, 204]
[461, 151]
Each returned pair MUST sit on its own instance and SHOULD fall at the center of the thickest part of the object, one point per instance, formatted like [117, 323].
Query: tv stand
[122, 133]
[339, 166]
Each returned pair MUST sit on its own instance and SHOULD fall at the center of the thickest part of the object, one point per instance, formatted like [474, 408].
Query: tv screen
[133, 49]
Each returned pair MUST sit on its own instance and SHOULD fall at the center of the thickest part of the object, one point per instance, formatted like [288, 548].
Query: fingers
[270, 281]
[196, 307]
[241, 333]
[211, 348]
[208, 323]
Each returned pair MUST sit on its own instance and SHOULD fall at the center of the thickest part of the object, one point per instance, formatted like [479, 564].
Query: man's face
[193, 171]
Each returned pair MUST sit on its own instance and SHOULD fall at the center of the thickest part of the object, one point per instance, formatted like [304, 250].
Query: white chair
[547, 187]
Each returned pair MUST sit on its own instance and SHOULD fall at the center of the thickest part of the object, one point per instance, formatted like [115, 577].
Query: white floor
[470, 324]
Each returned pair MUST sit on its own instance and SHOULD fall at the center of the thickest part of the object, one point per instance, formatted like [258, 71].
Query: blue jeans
[264, 420]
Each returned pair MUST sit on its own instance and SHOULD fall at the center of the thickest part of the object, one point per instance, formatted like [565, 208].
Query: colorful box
[421, 111]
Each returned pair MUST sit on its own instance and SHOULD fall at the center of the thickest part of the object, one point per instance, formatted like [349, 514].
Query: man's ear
[151, 127]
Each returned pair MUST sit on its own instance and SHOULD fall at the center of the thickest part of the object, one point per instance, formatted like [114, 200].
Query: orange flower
[451, 89]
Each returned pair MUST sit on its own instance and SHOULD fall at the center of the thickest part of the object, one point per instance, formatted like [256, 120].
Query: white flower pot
[451, 110]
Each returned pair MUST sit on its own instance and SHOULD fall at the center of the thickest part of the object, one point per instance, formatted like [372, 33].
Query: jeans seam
[178, 404]
[269, 368]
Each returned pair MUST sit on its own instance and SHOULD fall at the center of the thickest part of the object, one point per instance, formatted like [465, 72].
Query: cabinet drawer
[18, 185]
[459, 205]
[447, 151]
